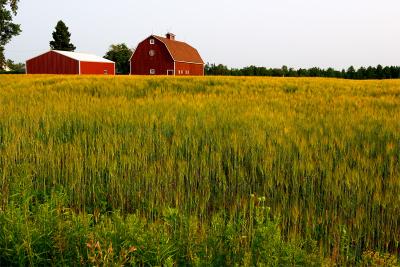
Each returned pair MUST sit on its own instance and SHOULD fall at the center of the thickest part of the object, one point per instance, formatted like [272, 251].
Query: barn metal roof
[83, 57]
[180, 51]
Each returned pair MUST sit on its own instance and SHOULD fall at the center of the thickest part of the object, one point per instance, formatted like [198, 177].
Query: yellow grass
[324, 152]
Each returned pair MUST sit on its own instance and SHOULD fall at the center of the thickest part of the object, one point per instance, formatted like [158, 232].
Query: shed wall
[97, 68]
[52, 63]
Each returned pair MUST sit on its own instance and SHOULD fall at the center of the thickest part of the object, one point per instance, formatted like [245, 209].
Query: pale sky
[270, 33]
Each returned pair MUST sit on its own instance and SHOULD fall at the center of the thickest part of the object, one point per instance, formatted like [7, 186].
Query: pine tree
[61, 37]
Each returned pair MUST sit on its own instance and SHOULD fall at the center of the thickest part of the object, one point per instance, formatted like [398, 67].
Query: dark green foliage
[15, 67]
[120, 54]
[362, 73]
[351, 73]
[8, 29]
[290, 89]
[61, 38]
[46, 233]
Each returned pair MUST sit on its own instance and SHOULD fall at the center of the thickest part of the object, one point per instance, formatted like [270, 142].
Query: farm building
[165, 56]
[63, 62]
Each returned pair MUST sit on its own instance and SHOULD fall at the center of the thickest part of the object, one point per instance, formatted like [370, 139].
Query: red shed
[63, 62]
[165, 56]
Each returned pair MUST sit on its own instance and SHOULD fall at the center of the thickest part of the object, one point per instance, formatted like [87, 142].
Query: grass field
[199, 171]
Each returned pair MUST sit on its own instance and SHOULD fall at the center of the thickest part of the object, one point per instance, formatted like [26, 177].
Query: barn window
[105, 72]
[152, 41]
[152, 53]
[152, 71]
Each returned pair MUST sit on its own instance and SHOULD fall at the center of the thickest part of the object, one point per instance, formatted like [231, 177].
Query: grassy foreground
[199, 171]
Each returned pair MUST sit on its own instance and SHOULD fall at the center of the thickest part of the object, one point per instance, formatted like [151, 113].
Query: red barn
[165, 56]
[63, 62]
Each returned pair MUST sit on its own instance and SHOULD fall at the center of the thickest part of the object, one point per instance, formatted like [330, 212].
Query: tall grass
[324, 152]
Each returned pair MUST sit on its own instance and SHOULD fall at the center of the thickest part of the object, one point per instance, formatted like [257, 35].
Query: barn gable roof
[83, 56]
[180, 51]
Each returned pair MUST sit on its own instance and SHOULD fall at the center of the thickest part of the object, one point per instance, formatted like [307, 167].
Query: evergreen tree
[362, 73]
[395, 72]
[61, 38]
[351, 73]
[285, 71]
[370, 73]
[379, 72]
[330, 72]
[386, 73]
[120, 54]
[8, 29]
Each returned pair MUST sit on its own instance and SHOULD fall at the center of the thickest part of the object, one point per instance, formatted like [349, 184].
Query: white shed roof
[83, 57]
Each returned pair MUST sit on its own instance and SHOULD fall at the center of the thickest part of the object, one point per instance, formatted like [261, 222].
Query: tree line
[362, 73]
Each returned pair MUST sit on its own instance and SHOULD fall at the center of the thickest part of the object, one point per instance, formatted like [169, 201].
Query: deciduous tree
[8, 29]
[120, 54]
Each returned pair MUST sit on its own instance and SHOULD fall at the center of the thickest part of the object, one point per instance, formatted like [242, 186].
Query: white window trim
[152, 41]
[152, 71]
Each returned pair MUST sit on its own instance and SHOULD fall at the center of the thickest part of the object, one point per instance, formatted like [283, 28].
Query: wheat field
[93, 170]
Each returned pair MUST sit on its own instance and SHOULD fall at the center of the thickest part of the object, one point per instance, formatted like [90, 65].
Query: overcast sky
[271, 33]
